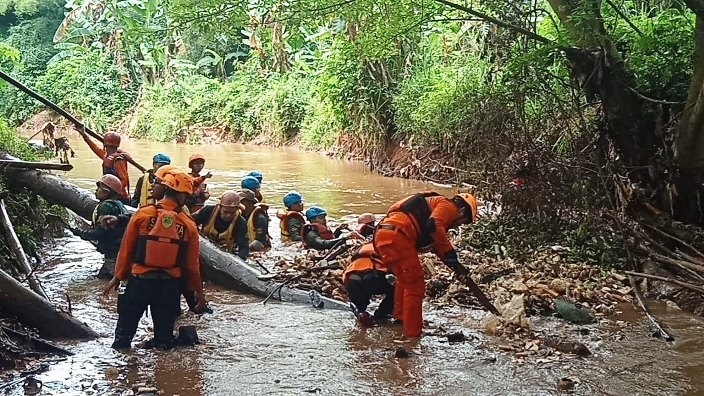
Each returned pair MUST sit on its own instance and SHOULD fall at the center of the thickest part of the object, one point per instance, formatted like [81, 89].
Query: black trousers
[361, 286]
[162, 296]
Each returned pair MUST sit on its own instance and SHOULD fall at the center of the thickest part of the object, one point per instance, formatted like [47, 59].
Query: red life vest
[285, 218]
[161, 248]
[323, 231]
[109, 162]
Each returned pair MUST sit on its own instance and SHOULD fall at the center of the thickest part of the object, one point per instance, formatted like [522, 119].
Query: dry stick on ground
[669, 280]
[671, 261]
[674, 238]
[654, 325]
[16, 247]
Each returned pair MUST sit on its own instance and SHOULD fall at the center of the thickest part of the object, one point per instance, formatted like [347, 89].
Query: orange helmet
[472, 203]
[195, 157]
[365, 218]
[178, 181]
[111, 182]
[112, 139]
[165, 169]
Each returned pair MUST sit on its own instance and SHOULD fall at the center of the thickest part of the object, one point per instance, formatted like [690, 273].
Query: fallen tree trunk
[37, 312]
[16, 246]
[218, 266]
[35, 165]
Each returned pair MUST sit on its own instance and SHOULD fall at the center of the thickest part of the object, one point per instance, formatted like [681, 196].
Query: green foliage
[14, 144]
[661, 59]
[89, 85]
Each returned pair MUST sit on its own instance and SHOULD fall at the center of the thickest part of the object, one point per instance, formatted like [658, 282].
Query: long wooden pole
[80, 126]
[16, 247]
[34, 165]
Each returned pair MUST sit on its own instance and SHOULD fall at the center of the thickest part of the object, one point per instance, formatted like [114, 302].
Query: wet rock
[567, 346]
[456, 337]
[565, 384]
[491, 324]
[515, 311]
[401, 353]
[112, 373]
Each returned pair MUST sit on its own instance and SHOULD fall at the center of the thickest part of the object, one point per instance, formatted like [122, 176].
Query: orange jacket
[364, 260]
[119, 166]
[139, 225]
[442, 210]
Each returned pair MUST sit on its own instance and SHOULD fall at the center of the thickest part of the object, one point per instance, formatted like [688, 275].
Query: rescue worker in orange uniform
[160, 247]
[415, 224]
[223, 224]
[292, 220]
[257, 221]
[367, 276]
[367, 223]
[114, 160]
[317, 235]
[200, 189]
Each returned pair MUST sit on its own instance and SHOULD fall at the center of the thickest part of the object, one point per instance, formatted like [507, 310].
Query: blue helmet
[161, 158]
[292, 198]
[315, 211]
[256, 174]
[250, 182]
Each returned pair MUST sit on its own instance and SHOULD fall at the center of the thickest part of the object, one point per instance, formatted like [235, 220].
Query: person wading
[252, 183]
[367, 223]
[143, 191]
[200, 189]
[114, 160]
[415, 224]
[292, 220]
[257, 221]
[317, 235]
[108, 237]
[159, 248]
[260, 177]
[224, 225]
[367, 276]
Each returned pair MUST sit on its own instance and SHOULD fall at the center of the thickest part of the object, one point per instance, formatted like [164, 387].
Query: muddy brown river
[283, 349]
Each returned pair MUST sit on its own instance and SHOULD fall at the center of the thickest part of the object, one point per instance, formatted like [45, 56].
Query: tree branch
[503, 24]
[624, 16]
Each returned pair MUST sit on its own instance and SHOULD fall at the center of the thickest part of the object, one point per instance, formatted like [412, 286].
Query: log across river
[294, 349]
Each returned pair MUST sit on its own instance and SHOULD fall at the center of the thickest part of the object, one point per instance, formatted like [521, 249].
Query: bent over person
[159, 248]
[419, 223]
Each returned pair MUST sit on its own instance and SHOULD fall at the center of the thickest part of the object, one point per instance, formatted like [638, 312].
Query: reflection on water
[341, 186]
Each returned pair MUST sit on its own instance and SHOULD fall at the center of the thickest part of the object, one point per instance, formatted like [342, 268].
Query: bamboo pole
[669, 280]
[80, 126]
[655, 326]
[16, 246]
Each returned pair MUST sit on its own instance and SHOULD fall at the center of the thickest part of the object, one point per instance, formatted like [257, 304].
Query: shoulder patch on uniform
[167, 221]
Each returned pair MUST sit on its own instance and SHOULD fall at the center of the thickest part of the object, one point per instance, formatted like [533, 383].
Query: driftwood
[80, 127]
[669, 280]
[217, 266]
[14, 243]
[35, 165]
[37, 312]
[655, 328]
[39, 343]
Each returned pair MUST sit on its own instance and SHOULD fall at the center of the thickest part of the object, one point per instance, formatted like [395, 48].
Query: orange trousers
[398, 252]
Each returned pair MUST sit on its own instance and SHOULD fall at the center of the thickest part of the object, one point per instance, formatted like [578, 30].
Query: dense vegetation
[559, 95]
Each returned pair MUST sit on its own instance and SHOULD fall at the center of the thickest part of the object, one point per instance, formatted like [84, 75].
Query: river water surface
[282, 349]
